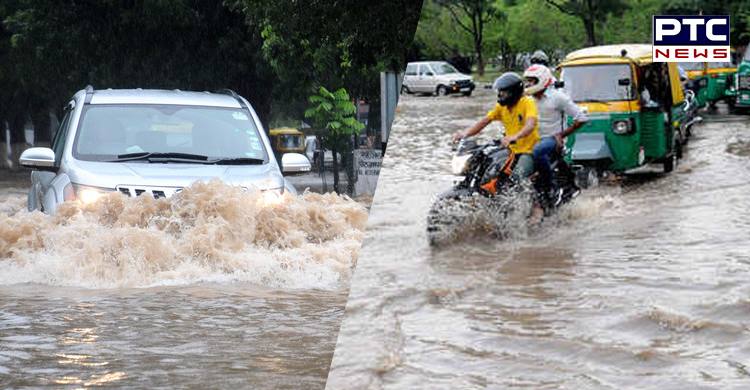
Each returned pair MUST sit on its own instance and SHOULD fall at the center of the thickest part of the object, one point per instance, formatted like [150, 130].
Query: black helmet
[539, 57]
[509, 87]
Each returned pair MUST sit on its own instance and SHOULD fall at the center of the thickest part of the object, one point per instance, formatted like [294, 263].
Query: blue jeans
[544, 153]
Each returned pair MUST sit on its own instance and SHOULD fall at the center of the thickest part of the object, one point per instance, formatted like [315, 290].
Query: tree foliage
[472, 17]
[334, 112]
[560, 26]
[274, 53]
[591, 12]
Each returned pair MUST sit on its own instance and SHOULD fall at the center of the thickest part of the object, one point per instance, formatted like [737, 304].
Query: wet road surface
[641, 284]
[214, 291]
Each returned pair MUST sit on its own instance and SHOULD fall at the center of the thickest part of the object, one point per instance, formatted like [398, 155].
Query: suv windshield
[109, 131]
[598, 82]
[443, 68]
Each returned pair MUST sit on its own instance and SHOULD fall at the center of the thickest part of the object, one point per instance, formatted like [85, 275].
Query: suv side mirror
[294, 163]
[559, 84]
[42, 159]
[623, 82]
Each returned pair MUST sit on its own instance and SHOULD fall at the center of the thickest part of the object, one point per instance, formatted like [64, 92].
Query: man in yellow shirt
[518, 114]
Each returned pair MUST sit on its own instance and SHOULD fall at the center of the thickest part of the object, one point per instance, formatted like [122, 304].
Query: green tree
[437, 36]
[590, 12]
[738, 11]
[534, 26]
[333, 114]
[634, 24]
[472, 16]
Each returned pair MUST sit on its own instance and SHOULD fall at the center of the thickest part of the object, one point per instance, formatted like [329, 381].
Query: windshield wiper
[177, 157]
[237, 161]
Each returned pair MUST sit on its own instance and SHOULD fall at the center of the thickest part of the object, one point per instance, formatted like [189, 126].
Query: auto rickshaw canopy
[285, 131]
[636, 54]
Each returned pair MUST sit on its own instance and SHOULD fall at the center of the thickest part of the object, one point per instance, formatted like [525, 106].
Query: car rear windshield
[291, 141]
[598, 82]
[107, 131]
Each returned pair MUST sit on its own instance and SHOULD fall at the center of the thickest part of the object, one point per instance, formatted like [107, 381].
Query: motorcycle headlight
[460, 164]
[621, 127]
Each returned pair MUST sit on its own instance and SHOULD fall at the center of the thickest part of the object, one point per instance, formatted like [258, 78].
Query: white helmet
[537, 78]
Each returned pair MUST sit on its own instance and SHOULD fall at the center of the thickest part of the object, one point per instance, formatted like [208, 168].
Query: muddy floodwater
[214, 288]
[638, 284]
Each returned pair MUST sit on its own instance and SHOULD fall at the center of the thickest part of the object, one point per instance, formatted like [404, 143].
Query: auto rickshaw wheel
[670, 161]
[586, 178]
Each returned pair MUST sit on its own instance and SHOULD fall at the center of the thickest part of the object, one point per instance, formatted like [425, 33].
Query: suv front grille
[156, 192]
[463, 83]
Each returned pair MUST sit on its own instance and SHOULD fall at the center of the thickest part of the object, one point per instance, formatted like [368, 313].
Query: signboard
[690, 38]
[367, 163]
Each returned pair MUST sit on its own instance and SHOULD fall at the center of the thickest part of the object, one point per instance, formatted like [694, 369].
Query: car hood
[177, 175]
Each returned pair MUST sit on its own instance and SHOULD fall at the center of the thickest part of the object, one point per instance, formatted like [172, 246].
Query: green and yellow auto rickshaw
[742, 83]
[635, 108]
[720, 86]
[697, 74]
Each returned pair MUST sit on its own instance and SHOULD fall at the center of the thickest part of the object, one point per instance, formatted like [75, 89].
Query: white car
[154, 143]
[436, 77]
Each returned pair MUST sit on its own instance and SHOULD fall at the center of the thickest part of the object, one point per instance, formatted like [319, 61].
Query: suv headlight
[85, 194]
[622, 127]
[460, 164]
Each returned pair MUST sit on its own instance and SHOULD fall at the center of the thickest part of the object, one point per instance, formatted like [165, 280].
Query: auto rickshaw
[742, 82]
[635, 108]
[287, 140]
[720, 76]
[697, 74]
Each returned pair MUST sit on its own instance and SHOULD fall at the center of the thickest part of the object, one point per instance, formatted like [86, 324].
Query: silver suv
[153, 142]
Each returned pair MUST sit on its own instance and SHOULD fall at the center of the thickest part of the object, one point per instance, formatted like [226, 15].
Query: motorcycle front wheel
[447, 213]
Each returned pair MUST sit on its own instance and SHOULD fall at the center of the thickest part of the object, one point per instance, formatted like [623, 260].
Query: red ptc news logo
[690, 38]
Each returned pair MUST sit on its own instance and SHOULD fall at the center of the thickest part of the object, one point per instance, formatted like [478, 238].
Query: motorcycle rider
[553, 105]
[539, 57]
[518, 114]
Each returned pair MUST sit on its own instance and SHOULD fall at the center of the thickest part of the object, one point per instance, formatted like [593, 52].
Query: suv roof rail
[227, 91]
[89, 94]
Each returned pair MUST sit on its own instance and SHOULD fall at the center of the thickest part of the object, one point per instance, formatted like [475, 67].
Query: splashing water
[453, 220]
[210, 232]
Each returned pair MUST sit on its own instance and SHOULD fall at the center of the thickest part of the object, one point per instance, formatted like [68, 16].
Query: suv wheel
[405, 90]
[442, 90]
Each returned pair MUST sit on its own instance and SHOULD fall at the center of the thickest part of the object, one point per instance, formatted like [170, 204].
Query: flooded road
[214, 288]
[638, 285]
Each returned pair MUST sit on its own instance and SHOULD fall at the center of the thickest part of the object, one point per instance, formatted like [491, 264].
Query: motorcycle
[489, 196]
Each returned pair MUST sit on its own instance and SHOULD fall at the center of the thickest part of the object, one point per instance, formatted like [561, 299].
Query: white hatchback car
[154, 143]
[436, 77]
